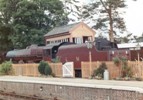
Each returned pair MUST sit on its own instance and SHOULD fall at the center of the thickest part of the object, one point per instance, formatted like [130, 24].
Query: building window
[78, 40]
[51, 42]
[85, 38]
[59, 41]
[90, 38]
[73, 40]
[47, 42]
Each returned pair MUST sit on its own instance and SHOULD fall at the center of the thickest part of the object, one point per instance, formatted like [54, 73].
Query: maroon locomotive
[79, 52]
[32, 53]
[102, 50]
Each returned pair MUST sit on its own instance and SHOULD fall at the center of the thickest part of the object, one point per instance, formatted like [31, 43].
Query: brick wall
[61, 92]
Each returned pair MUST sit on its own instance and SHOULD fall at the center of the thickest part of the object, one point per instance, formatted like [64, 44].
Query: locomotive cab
[103, 44]
[50, 50]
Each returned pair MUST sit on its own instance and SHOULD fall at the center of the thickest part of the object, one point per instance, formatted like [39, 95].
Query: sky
[134, 17]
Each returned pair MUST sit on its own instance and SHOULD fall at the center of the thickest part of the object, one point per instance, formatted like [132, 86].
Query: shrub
[48, 70]
[124, 60]
[44, 68]
[116, 61]
[100, 70]
[127, 71]
[6, 68]
[56, 60]
[41, 67]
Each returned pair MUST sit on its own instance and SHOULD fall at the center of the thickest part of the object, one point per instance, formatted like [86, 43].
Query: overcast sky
[134, 17]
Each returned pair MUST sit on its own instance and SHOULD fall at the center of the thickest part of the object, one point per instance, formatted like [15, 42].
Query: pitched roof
[61, 29]
[130, 45]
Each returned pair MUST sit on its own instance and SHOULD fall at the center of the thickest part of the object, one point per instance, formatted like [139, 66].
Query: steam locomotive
[102, 50]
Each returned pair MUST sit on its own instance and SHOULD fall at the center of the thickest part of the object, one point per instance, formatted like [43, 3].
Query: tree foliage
[5, 25]
[5, 42]
[106, 14]
[31, 19]
[111, 9]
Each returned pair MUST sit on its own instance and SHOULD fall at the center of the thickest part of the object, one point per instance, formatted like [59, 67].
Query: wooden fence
[32, 69]
[26, 69]
[114, 71]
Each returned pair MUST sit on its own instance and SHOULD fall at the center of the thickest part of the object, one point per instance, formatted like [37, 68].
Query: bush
[48, 70]
[116, 61]
[41, 67]
[126, 71]
[99, 71]
[44, 68]
[56, 60]
[124, 60]
[6, 68]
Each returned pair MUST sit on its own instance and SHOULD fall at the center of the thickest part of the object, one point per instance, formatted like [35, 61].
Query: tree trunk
[111, 37]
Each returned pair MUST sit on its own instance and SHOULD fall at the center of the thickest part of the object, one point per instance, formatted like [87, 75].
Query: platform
[92, 83]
